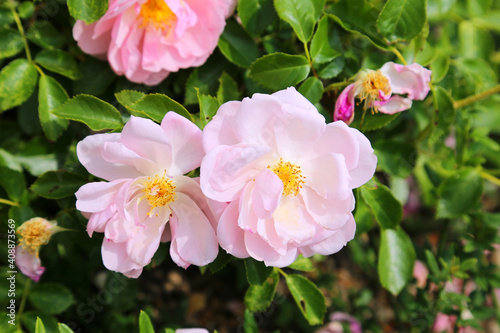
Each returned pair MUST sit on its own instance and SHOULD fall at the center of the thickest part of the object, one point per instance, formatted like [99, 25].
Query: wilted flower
[33, 234]
[288, 177]
[145, 40]
[144, 167]
[377, 89]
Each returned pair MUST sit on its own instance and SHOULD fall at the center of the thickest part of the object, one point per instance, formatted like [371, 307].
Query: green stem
[399, 55]
[282, 272]
[8, 202]
[474, 98]
[23, 303]
[308, 56]
[490, 178]
[21, 30]
[337, 85]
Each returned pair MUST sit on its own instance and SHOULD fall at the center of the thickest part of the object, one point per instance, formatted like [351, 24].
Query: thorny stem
[8, 202]
[21, 30]
[23, 303]
[474, 98]
[399, 55]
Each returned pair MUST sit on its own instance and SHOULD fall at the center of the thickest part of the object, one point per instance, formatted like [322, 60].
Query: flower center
[157, 14]
[291, 176]
[160, 191]
[373, 83]
[34, 233]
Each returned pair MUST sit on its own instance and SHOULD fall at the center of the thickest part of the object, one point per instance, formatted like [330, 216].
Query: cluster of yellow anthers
[33, 234]
[372, 83]
[157, 14]
[291, 176]
[160, 191]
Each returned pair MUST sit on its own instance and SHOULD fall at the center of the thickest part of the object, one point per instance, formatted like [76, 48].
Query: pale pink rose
[32, 235]
[288, 177]
[145, 40]
[144, 167]
[420, 273]
[191, 330]
[377, 89]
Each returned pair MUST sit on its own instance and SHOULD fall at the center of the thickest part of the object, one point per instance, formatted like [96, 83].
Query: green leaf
[237, 45]
[459, 194]
[249, 323]
[312, 89]
[325, 45]
[39, 328]
[59, 62]
[386, 209]
[358, 16]
[302, 264]
[279, 70]
[87, 10]
[128, 98]
[44, 34]
[51, 298]
[257, 271]
[432, 263]
[319, 5]
[57, 184]
[396, 158]
[331, 69]
[90, 110]
[256, 15]
[259, 297]
[300, 14]
[29, 321]
[446, 111]
[372, 121]
[439, 67]
[208, 108]
[156, 106]
[11, 176]
[145, 325]
[308, 297]
[402, 20]
[26, 9]
[11, 42]
[223, 258]
[6, 16]
[396, 260]
[17, 82]
[228, 89]
[63, 328]
[50, 96]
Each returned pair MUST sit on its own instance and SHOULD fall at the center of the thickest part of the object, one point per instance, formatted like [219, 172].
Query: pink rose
[145, 40]
[32, 235]
[377, 89]
[144, 167]
[420, 273]
[288, 177]
[191, 330]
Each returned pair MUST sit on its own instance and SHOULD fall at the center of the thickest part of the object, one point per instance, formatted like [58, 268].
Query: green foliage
[237, 45]
[256, 15]
[308, 297]
[396, 260]
[386, 209]
[278, 70]
[11, 43]
[300, 14]
[57, 184]
[87, 10]
[51, 298]
[459, 194]
[259, 296]
[50, 96]
[145, 325]
[402, 20]
[17, 82]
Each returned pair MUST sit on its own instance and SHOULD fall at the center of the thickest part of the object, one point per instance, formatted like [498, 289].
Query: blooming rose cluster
[275, 181]
[377, 89]
[145, 40]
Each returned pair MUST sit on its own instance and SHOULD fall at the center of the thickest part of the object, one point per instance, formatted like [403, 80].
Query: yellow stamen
[33, 234]
[160, 191]
[291, 176]
[374, 82]
[157, 14]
